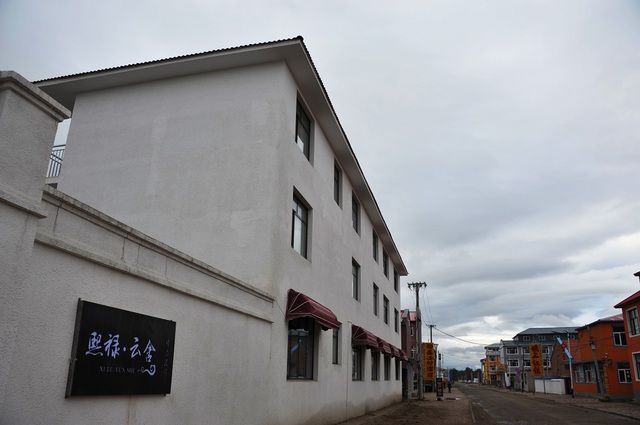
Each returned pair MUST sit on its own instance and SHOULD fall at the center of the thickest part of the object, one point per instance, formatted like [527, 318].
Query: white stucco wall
[207, 164]
[220, 352]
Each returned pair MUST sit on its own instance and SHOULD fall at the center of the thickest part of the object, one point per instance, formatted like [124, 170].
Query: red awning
[395, 351]
[300, 305]
[384, 346]
[404, 356]
[361, 336]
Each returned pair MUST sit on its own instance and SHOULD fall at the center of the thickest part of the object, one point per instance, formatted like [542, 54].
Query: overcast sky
[501, 139]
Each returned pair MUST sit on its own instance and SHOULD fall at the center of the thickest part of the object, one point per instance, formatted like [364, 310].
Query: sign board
[428, 362]
[535, 355]
[120, 352]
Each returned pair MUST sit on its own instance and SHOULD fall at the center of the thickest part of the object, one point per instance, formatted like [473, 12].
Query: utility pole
[417, 286]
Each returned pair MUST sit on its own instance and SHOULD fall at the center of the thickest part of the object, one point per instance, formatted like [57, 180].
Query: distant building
[602, 343]
[411, 333]
[631, 312]
[494, 370]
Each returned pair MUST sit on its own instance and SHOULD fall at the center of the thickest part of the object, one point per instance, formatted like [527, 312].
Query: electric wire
[459, 339]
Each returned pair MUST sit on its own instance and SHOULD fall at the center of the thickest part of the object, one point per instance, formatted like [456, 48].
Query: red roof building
[630, 311]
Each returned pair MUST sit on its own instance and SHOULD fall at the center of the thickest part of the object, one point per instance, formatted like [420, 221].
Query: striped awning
[361, 336]
[300, 305]
[384, 346]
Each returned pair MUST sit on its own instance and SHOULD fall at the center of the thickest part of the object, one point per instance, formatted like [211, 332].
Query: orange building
[631, 313]
[603, 342]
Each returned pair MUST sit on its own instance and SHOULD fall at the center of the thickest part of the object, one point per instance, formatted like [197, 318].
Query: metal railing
[55, 160]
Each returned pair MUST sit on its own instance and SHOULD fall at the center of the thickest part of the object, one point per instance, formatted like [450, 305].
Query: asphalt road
[503, 408]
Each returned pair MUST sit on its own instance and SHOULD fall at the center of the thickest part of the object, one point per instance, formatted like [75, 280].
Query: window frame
[335, 346]
[385, 263]
[307, 324]
[396, 320]
[375, 365]
[634, 322]
[355, 213]
[376, 299]
[355, 280]
[337, 183]
[515, 350]
[635, 357]
[387, 367]
[398, 369]
[625, 368]
[619, 337]
[305, 224]
[385, 309]
[396, 280]
[376, 243]
[357, 364]
[304, 146]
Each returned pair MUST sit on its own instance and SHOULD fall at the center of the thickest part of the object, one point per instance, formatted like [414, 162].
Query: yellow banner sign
[428, 361]
[535, 355]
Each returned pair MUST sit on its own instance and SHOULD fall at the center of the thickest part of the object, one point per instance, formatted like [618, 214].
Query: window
[632, 319]
[512, 350]
[619, 336]
[356, 363]
[546, 363]
[301, 348]
[525, 350]
[375, 299]
[542, 338]
[584, 373]
[299, 218]
[385, 302]
[397, 369]
[335, 348]
[303, 130]
[396, 280]
[546, 349]
[387, 368]
[355, 277]
[636, 363]
[624, 373]
[412, 330]
[385, 263]
[337, 184]
[526, 363]
[396, 320]
[355, 213]
[526, 338]
[375, 366]
[375, 246]
[514, 363]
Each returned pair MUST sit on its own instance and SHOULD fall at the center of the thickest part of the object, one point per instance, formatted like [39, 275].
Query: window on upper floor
[542, 338]
[512, 350]
[299, 226]
[525, 350]
[375, 299]
[375, 246]
[632, 320]
[619, 336]
[396, 280]
[355, 279]
[301, 348]
[526, 363]
[385, 263]
[385, 310]
[412, 330]
[514, 363]
[396, 320]
[337, 184]
[355, 213]
[526, 338]
[303, 131]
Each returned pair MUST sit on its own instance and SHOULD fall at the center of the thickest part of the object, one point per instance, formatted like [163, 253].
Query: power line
[459, 339]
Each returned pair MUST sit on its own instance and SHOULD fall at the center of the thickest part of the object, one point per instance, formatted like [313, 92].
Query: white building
[242, 191]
